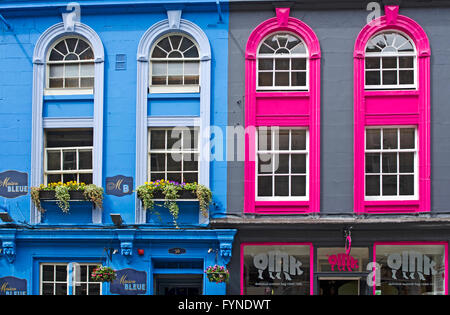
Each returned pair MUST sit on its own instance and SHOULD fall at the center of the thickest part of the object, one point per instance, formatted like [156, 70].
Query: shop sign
[129, 282]
[13, 184]
[119, 185]
[411, 264]
[177, 251]
[277, 263]
[343, 261]
[13, 286]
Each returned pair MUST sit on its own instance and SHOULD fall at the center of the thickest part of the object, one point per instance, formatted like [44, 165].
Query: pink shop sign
[343, 262]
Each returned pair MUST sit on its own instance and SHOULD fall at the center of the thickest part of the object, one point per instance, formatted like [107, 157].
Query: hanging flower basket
[217, 274]
[103, 274]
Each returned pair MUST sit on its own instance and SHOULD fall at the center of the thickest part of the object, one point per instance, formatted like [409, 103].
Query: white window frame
[168, 151]
[67, 281]
[380, 55]
[397, 151]
[290, 152]
[181, 88]
[61, 171]
[274, 57]
[66, 91]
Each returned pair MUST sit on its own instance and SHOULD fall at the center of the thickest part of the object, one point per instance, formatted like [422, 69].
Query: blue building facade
[93, 85]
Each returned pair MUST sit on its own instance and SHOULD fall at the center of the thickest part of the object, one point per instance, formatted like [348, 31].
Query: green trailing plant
[62, 196]
[94, 193]
[171, 190]
[62, 191]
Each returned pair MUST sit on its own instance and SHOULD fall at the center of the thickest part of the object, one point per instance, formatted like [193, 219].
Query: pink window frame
[311, 260]
[283, 109]
[375, 108]
[412, 244]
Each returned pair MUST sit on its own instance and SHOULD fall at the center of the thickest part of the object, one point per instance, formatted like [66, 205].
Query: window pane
[69, 160]
[191, 52]
[298, 64]
[265, 186]
[69, 178]
[175, 80]
[85, 162]
[159, 68]
[61, 47]
[372, 185]
[406, 185]
[94, 289]
[87, 55]
[159, 80]
[373, 139]
[406, 77]
[85, 178]
[406, 62]
[390, 139]
[281, 79]
[389, 185]
[282, 64]
[281, 139]
[61, 273]
[158, 53]
[47, 273]
[190, 177]
[174, 177]
[191, 68]
[71, 83]
[61, 289]
[265, 163]
[298, 186]
[373, 63]
[389, 77]
[264, 139]
[373, 78]
[87, 70]
[298, 78]
[156, 176]
[53, 178]
[281, 186]
[265, 64]
[389, 62]
[56, 71]
[157, 162]
[298, 139]
[265, 78]
[190, 162]
[47, 289]
[81, 289]
[72, 70]
[87, 82]
[407, 138]
[175, 68]
[298, 163]
[282, 164]
[53, 160]
[157, 139]
[56, 83]
[372, 162]
[174, 162]
[389, 162]
[406, 162]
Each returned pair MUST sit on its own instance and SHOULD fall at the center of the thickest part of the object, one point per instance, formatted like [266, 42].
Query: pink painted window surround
[410, 268]
[396, 108]
[283, 108]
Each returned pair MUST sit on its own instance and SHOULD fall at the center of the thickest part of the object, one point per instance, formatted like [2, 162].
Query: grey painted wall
[337, 31]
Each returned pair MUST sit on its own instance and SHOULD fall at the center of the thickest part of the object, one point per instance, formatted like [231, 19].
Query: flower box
[51, 195]
[182, 194]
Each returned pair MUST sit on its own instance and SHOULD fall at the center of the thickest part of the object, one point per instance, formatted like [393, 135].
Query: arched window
[282, 114]
[175, 65]
[390, 62]
[70, 65]
[282, 63]
[392, 116]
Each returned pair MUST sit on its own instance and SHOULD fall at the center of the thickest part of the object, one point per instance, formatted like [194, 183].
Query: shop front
[333, 263]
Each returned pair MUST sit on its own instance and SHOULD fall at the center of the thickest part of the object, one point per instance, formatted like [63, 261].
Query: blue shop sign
[129, 282]
[13, 184]
[119, 185]
[13, 286]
